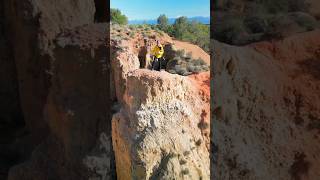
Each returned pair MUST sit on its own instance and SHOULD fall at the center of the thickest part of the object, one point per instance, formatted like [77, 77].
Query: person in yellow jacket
[157, 56]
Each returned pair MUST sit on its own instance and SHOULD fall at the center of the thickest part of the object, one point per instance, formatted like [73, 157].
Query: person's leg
[156, 65]
[163, 63]
[154, 60]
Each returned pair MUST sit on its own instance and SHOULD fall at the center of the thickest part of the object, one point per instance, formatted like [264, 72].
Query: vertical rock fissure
[101, 11]
[11, 117]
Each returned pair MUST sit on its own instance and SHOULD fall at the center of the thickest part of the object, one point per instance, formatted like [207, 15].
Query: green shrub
[191, 68]
[171, 66]
[298, 5]
[187, 73]
[188, 60]
[147, 28]
[199, 62]
[117, 17]
[189, 55]
[132, 35]
[304, 20]
[182, 71]
[153, 27]
[172, 71]
[229, 30]
[180, 53]
[204, 67]
[157, 30]
[147, 34]
[276, 6]
[177, 67]
[182, 29]
[131, 27]
[282, 6]
[162, 21]
[184, 65]
[197, 69]
[256, 24]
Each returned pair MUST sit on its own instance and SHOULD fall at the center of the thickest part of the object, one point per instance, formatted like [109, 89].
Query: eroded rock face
[158, 132]
[122, 62]
[32, 28]
[56, 83]
[314, 8]
[266, 109]
[76, 111]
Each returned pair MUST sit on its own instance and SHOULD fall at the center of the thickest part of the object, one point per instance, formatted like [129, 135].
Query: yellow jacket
[157, 51]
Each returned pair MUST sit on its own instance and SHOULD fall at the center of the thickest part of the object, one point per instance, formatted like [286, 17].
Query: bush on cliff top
[244, 22]
[117, 17]
[184, 65]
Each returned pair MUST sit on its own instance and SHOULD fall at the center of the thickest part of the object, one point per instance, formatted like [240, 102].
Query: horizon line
[168, 18]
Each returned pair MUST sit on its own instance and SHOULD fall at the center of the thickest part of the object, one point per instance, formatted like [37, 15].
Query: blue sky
[151, 9]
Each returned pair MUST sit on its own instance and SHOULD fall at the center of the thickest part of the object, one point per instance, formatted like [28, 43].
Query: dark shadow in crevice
[12, 122]
[101, 11]
[142, 56]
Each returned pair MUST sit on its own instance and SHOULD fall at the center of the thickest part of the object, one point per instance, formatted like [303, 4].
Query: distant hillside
[204, 20]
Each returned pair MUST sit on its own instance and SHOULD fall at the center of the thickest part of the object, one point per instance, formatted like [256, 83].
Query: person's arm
[161, 50]
[148, 61]
[153, 51]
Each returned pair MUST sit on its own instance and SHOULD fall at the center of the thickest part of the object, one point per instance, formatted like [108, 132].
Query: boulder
[156, 133]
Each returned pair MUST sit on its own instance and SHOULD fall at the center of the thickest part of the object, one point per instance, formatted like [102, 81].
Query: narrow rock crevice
[101, 11]
[11, 118]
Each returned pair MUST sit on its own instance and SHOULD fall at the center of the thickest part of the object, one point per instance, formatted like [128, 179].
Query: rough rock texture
[156, 134]
[59, 64]
[79, 145]
[123, 63]
[314, 8]
[32, 26]
[161, 128]
[9, 95]
[11, 118]
[63, 85]
[265, 113]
